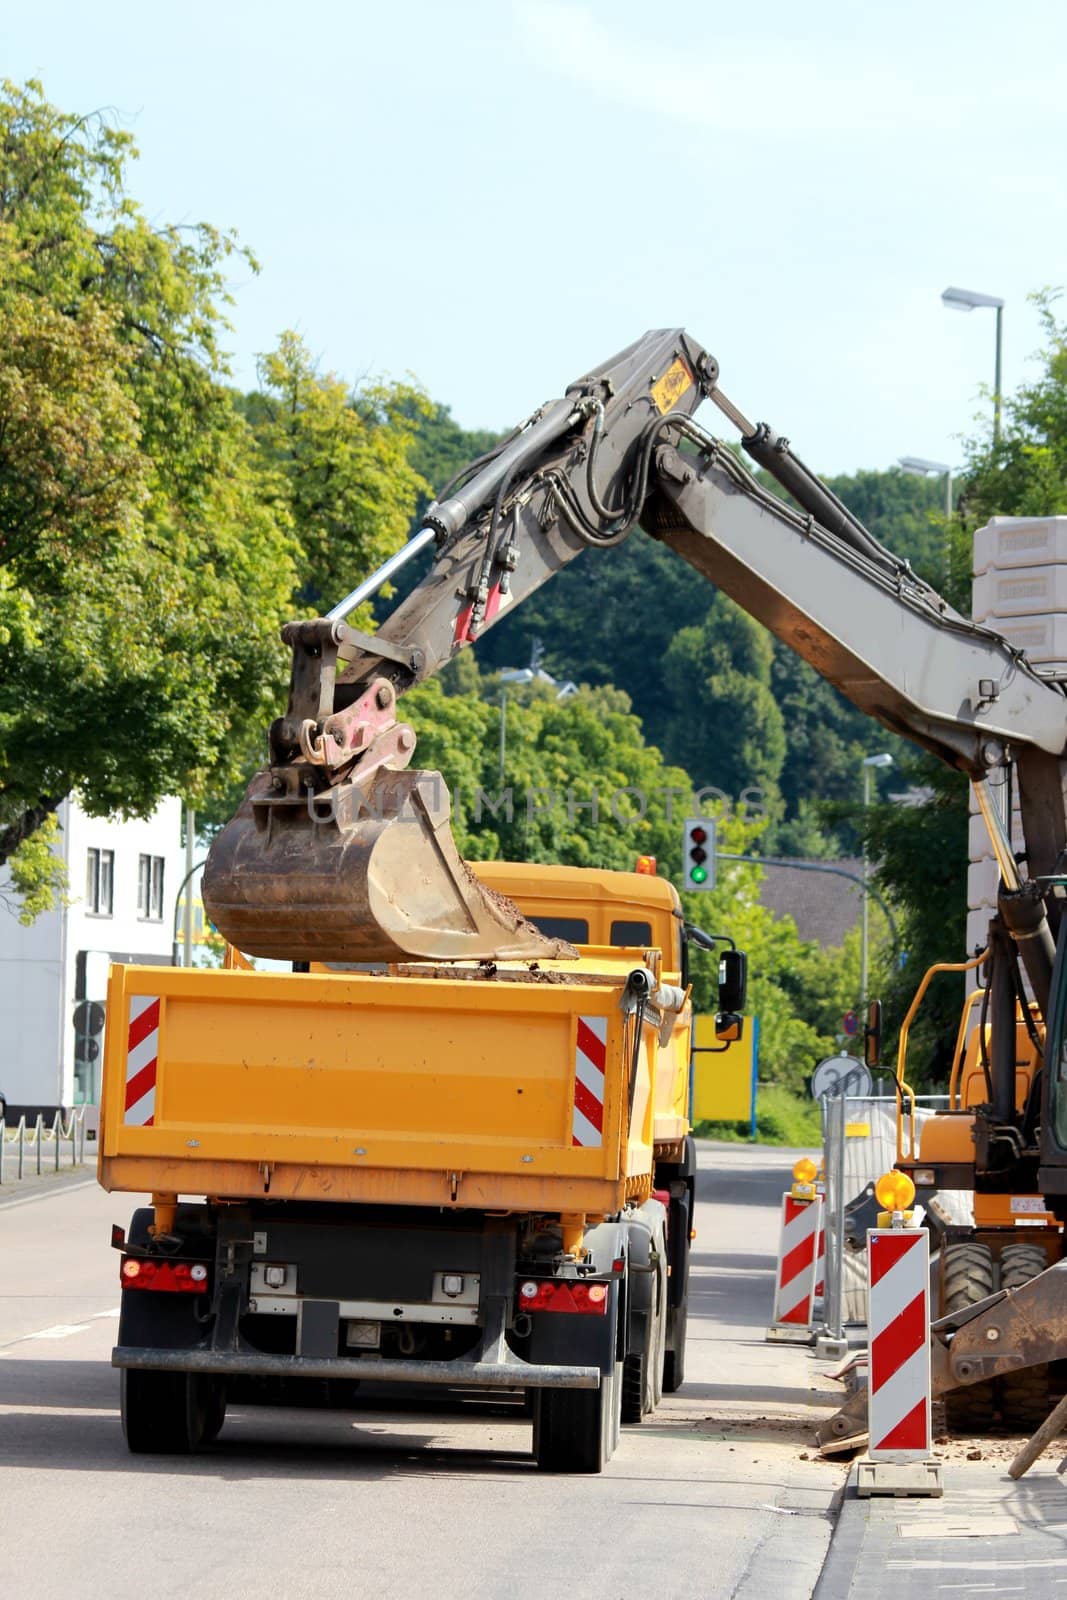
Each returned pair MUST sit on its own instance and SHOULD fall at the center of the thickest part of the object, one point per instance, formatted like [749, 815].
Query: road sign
[841, 1075]
[88, 1017]
[88, 1022]
[851, 1023]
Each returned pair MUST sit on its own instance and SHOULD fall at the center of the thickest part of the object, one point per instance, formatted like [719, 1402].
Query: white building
[123, 878]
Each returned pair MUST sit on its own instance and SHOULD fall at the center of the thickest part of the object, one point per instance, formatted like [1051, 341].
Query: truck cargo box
[512, 1088]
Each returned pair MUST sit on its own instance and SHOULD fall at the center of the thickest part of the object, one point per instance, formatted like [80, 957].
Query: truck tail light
[552, 1294]
[174, 1277]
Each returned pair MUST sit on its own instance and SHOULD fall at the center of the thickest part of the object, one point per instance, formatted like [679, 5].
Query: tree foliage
[138, 564]
[156, 528]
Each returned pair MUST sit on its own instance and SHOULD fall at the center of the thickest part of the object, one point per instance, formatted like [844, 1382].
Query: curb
[846, 1541]
[30, 1189]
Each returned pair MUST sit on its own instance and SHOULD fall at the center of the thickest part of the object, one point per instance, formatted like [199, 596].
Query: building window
[100, 883]
[150, 888]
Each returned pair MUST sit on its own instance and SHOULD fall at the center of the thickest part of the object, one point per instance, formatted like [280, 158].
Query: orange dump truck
[475, 1175]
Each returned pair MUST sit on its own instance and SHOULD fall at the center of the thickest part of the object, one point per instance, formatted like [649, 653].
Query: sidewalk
[988, 1536]
[50, 1182]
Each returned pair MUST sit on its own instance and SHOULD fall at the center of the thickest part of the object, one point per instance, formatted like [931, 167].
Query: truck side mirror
[729, 1027]
[733, 980]
[872, 1035]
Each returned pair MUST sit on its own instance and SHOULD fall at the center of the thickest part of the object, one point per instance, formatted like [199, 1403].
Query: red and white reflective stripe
[795, 1282]
[820, 1265]
[898, 1408]
[142, 1059]
[590, 1060]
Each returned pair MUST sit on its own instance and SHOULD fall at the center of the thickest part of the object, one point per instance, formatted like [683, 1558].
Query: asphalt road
[710, 1497]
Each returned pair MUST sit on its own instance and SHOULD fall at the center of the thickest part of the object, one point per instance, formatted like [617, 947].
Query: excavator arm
[318, 863]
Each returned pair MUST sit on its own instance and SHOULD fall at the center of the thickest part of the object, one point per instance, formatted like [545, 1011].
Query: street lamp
[923, 468]
[534, 674]
[509, 675]
[970, 300]
[884, 759]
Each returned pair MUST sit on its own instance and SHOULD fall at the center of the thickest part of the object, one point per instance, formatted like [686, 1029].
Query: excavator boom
[338, 853]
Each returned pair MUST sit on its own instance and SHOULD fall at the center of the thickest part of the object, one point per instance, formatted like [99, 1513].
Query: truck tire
[674, 1360]
[576, 1430]
[635, 1374]
[643, 1369]
[1024, 1395]
[214, 1411]
[967, 1275]
[165, 1413]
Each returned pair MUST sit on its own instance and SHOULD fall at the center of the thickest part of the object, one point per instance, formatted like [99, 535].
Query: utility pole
[187, 933]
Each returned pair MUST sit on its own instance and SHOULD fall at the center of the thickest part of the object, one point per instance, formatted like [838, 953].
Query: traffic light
[698, 854]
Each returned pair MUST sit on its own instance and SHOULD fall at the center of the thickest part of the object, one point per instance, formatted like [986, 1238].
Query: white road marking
[977, 1566]
[114, 1312]
[62, 1330]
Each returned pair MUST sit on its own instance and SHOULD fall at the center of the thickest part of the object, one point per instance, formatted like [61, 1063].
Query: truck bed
[511, 1090]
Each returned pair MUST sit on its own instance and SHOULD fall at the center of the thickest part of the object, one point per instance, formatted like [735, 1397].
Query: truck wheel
[576, 1430]
[214, 1410]
[967, 1274]
[635, 1386]
[164, 1413]
[643, 1370]
[1024, 1395]
[674, 1360]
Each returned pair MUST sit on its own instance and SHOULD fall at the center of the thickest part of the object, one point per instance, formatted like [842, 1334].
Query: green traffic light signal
[698, 874]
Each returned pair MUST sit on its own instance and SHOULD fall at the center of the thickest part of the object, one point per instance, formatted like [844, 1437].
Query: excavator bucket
[359, 873]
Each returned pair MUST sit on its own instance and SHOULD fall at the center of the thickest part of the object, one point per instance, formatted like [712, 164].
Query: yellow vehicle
[472, 1174]
[1014, 1235]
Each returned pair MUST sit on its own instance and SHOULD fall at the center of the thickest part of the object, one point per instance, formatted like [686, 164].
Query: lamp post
[923, 468]
[509, 675]
[884, 759]
[971, 300]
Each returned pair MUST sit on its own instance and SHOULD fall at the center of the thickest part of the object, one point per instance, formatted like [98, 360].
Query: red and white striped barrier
[142, 1058]
[898, 1407]
[794, 1290]
[590, 1061]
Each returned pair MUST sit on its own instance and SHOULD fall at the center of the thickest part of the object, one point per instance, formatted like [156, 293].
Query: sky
[495, 195]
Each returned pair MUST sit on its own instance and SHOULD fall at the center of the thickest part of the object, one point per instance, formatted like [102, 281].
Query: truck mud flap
[509, 1374]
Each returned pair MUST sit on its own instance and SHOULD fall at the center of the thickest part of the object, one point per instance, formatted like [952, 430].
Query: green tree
[1025, 474]
[725, 726]
[339, 463]
[141, 576]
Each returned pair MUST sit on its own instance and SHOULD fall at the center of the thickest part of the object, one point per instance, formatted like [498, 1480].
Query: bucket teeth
[359, 873]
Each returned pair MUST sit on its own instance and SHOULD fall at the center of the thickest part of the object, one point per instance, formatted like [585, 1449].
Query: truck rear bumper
[509, 1374]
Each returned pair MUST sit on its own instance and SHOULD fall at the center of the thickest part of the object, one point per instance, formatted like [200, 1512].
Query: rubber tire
[968, 1276]
[635, 1386]
[1025, 1401]
[674, 1358]
[214, 1411]
[576, 1430]
[163, 1413]
[643, 1371]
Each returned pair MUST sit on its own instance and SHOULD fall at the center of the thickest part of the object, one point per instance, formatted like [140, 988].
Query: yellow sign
[723, 1081]
[857, 1130]
[668, 390]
